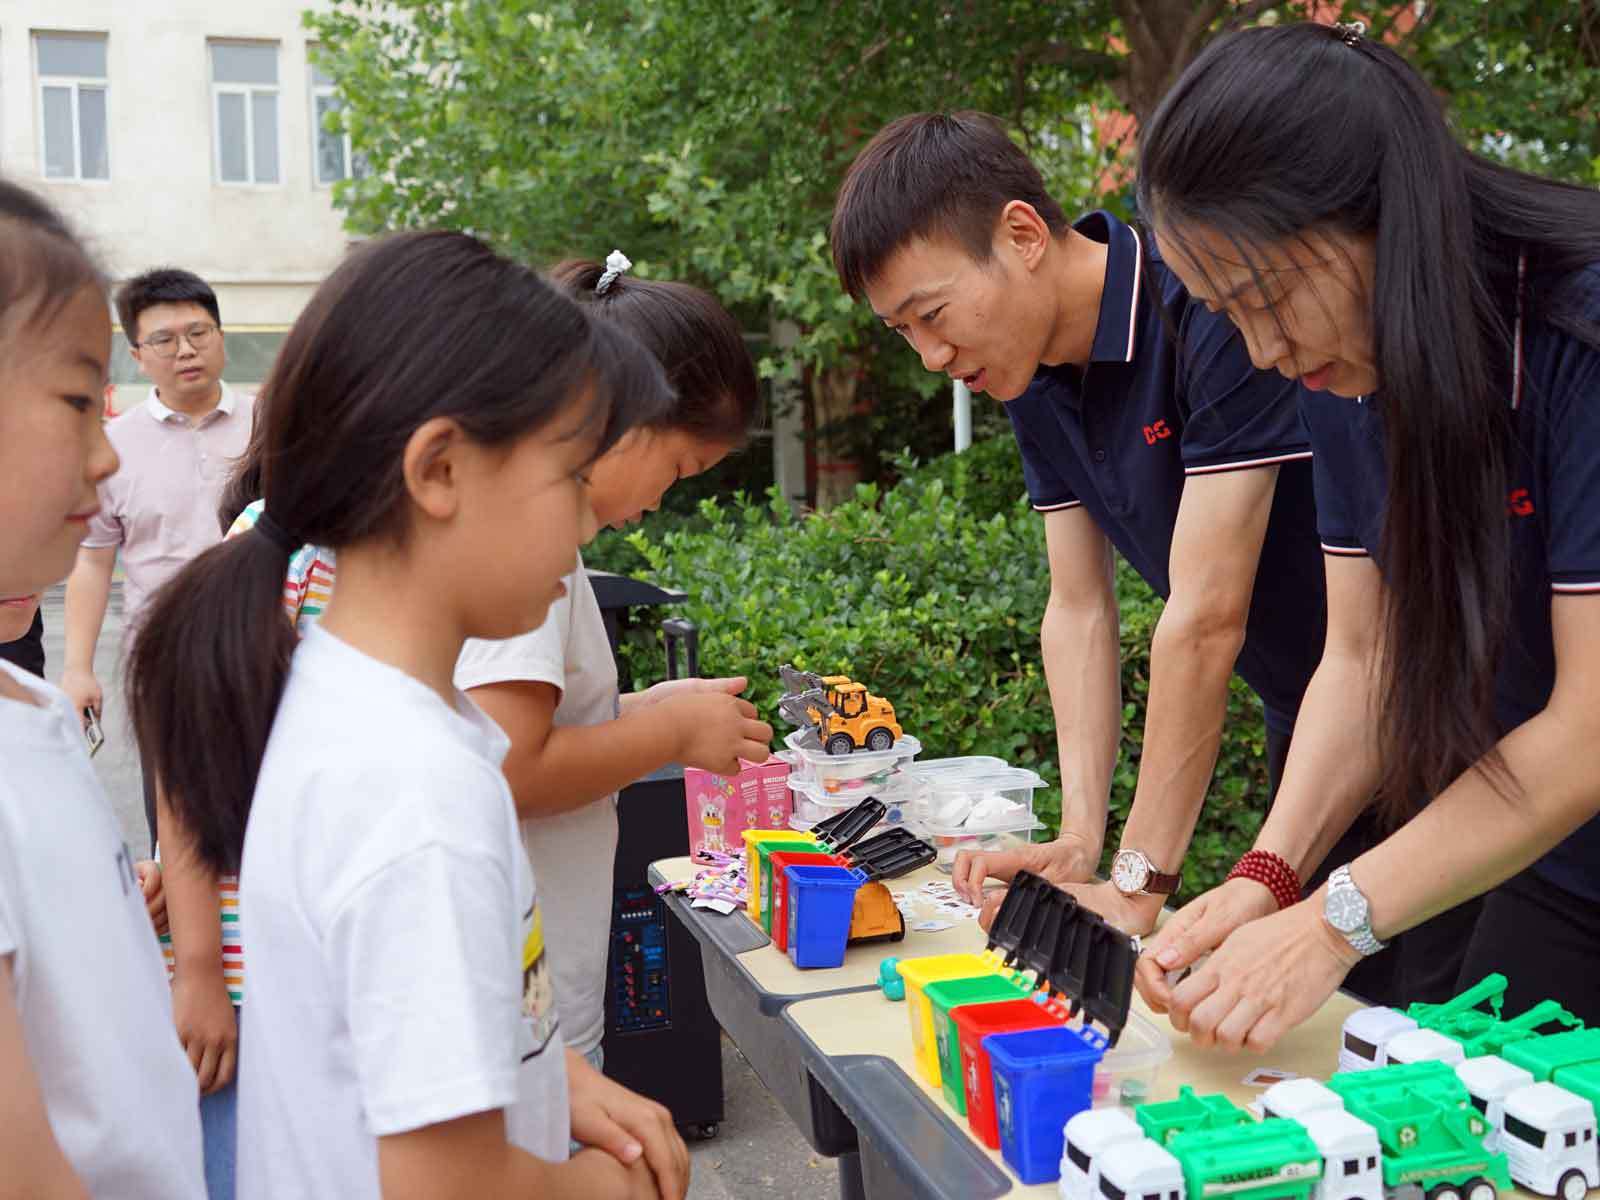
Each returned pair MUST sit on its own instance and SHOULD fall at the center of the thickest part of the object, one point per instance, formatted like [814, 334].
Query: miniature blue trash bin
[1041, 1078]
[821, 901]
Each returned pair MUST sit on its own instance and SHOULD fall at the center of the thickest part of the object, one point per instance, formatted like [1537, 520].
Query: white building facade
[181, 133]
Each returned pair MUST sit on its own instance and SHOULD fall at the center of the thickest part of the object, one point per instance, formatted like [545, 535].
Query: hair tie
[277, 534]
[1351, 32]
[616, 263]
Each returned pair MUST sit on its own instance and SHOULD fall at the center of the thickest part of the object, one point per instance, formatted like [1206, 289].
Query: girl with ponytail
[432, 418]
[1444, 313]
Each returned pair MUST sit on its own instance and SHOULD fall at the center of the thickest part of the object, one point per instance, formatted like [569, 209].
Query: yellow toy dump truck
[838, 714]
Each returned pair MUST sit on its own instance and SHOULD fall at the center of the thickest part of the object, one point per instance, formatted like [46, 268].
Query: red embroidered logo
[1519, 503]
[1154, 433]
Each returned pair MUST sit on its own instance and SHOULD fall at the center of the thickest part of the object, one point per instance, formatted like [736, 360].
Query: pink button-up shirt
[160, 508]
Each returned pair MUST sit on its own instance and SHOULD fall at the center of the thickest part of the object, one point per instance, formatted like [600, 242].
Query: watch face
[1129, 872]
[1346, 910]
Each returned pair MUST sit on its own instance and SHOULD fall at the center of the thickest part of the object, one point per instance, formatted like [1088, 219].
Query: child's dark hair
[243, 485]
[1237, 147]
[692, 336]
[410, 328]
[42, 264]
[164, 285]
[931, 175]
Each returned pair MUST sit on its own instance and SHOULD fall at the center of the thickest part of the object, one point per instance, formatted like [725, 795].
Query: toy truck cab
[1139, 1170]
[1297, 1099]
[859, 720]
[1548, 1137]
[1351, 1155]
[1489, 1080]
[1422, 1045]
[1088, 1136]
[1366, 1033]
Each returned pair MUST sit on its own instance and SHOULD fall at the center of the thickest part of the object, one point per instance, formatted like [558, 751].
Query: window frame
[76, 85]
[331, 91]
[247, 92]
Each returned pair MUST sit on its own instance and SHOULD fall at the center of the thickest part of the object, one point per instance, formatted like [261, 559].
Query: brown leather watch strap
[1162, 885]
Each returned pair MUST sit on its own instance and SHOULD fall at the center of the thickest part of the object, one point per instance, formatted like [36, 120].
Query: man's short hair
[931, 175]
[164, 285]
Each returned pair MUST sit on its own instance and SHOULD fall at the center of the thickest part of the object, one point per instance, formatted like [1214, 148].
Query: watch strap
[1363, 940]
[1162, 885]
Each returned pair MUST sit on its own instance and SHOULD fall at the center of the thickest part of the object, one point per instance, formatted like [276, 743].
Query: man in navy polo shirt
[1143, 426]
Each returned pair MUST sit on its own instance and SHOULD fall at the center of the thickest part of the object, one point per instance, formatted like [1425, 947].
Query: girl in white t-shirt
[554, 691]
[433, 406]
[96, 1097]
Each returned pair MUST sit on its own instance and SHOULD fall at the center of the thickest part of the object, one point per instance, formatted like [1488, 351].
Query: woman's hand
[1194, 931]
[1266, 978]
[626, 1125]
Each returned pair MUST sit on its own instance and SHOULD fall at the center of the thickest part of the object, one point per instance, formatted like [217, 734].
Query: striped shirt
[308, 583]
[307, 586]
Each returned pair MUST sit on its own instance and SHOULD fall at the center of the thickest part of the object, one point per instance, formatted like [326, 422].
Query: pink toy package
[722, 807]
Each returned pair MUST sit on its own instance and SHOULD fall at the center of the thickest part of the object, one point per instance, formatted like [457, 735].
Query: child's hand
[716, 729]
[207, 1028]
[625, 1125]
[155, 895]
[671, 688]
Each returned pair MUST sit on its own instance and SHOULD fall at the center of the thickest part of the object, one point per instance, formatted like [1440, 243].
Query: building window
[244, 93]
[330, 149]
[72, 105]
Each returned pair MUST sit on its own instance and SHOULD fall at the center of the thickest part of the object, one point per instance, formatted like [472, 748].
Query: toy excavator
[837, 714]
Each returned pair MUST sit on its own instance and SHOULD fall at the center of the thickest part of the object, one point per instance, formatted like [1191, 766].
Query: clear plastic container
[930, 768]
[949, 845]
[984, 802]
[1127, 1075]
[847, 773]
[812, 804]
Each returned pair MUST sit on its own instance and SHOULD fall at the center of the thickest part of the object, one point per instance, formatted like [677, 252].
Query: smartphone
[92, 731]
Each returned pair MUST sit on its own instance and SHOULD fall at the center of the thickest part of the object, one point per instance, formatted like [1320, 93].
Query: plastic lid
[970, 763]
[870, 760]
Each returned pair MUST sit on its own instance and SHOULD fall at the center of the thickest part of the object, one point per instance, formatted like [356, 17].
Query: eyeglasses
[165, 343]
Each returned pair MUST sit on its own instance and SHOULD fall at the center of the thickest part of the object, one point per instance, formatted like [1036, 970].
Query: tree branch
[1247, 12]
[1057, 54]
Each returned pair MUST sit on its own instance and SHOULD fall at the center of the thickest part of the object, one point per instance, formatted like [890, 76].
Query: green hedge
[931, 594]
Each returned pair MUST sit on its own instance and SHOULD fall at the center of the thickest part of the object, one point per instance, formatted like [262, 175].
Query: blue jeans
[218, 1124]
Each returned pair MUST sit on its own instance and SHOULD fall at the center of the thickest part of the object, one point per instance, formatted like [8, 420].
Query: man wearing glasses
[177, 448]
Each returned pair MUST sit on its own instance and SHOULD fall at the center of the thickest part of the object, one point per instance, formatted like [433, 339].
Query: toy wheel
[1482, 1189]
[708, 1131]
[1573, 1186]
[840, 743]
[880, 739]
[1445, 1191]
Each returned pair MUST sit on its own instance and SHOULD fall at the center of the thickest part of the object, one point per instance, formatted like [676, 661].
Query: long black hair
[409, 328]
[1274, 133]
[696, 341]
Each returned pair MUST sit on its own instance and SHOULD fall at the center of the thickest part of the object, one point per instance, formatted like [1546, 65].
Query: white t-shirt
[572, 852]
[397, 968]
[86, 973]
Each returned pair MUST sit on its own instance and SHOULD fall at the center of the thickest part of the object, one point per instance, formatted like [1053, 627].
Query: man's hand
[669, 689]
[155, 894]
[626, 1125]
[1196, 929]
[207, 1028]
[83, 690]
[1068, 859]
[715, 730]
[1131, 914]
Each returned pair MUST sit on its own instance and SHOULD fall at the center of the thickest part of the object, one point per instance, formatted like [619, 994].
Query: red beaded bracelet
[1272, 872]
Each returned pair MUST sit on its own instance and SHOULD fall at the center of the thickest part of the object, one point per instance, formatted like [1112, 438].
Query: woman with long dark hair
[1444, 312]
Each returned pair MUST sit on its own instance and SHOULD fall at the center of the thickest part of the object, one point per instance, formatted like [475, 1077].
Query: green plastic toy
[1167, 1119]
[1274, 1158]
[1432, 1139]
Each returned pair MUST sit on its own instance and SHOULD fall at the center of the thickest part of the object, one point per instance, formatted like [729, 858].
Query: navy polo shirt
[1169, 393]
[1553, 507]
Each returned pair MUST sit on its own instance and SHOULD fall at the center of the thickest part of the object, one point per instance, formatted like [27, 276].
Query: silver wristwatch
[1347, 910]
